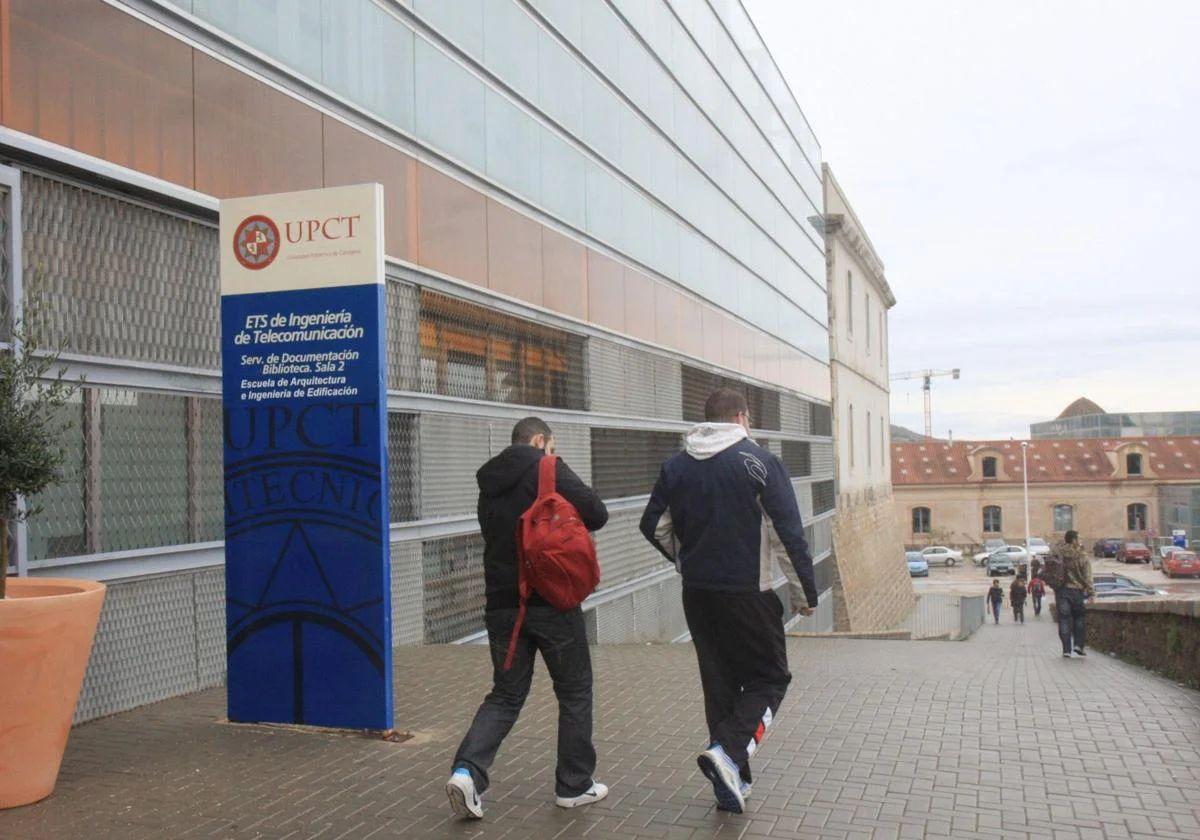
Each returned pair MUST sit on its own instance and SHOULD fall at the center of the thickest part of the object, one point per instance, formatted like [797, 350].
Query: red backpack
[555, 554]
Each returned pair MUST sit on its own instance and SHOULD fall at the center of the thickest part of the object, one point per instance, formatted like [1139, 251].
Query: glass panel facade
[58, 528]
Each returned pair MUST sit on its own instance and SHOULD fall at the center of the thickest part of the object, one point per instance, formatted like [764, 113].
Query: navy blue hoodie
[711, 508]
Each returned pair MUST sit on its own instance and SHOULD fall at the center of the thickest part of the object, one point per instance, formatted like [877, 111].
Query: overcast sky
[1029, 172]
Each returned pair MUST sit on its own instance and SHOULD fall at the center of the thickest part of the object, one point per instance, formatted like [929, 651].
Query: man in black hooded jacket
[508, 485]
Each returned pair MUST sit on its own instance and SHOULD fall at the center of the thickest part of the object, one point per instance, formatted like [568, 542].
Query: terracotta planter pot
[46, 630]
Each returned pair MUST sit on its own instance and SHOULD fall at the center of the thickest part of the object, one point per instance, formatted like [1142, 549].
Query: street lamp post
[1025, 483]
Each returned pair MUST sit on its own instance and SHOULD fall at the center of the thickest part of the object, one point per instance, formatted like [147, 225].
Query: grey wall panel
[623, 552]
[408, 594]
[574, 445]
[145, 646]
[605, 377]
[668, 388]
[403, 336]
[633, 383]
[210, 627]
[453, 584]
[793, 415]
[822, 458]
[453, 448]
[804, 498]
[673, 622]
[615, 621]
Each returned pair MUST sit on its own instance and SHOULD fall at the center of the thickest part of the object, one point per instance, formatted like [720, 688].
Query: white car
[988, 547]
[1015, 555]
[1038, 547]
[939, 555]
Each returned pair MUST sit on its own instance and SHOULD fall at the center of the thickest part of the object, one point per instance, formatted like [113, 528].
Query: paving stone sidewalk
[997, 737]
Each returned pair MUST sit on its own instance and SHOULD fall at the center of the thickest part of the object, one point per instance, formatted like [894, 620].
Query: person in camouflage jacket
[1071, 598]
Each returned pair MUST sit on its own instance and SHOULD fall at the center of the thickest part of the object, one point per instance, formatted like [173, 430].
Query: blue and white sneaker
[593, 794]
[460, 790]
[718, 768]
[746, 787]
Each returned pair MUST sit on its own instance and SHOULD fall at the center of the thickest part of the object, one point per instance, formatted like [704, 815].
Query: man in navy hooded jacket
[710, 514]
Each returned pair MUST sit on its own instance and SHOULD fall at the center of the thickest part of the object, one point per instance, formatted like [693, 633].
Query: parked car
[918, 566]
[1000, 563]
[1123, 592]
[1133, 552]
[988, 547]
[936, 555]
[1038, 547]
[1181, 562]
[1107, 581]
[1015, 554]
[1107, 547]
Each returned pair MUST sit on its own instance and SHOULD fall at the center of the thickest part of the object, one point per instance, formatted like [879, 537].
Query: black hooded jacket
[507, 487]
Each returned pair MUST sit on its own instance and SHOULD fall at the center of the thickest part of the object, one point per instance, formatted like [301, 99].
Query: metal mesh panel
[452, 449]
[698, 384]
[145, 646]
[823, 572]
[59, 529]
[408, 594]
[673, 622]
[623, 552]
[5, 264]
[626, 462]
[403, 336]
[772, 446]
[822, 497]
[804, 499]
[210, 505]
[822, 458]
[472, 352]
[820, 420]
[793, 415]
[404, 476]
[615, 621]
[120, 280]
[797, 457]
[632, 382]
[143, 469]
[210, 626]
[453, 587]
[574, 445]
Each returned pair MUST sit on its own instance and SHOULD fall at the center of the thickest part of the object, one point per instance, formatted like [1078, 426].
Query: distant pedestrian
[995, 598]
[1037, 591]
[1075, 588]
[1016, 597]
[710, 514]
[508, 486]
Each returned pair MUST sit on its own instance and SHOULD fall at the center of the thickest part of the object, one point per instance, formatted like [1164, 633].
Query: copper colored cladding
[606, 291]
[352, 157]
[939, 462]
[250, 138]
[713, 323]
[564, 274]
[639, 304]
[691, 326]
[91, 77]
[451, 227]
[514, 243]
[667, 304]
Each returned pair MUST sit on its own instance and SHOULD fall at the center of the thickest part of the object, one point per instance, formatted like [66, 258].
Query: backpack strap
[547, 475]
[523, 589]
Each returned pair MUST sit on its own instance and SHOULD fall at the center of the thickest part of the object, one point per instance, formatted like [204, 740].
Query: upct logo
[256, 242]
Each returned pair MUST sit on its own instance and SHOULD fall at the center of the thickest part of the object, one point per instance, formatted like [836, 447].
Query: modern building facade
[871, 587]
[1084, 419]
[596, 211]
[966, 492]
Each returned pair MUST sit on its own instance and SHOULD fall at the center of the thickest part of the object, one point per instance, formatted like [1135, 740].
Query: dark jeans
[1019, 612]
[996, 611]
[1071, 612]
[1037, 605]
[742, 655]
[562, 640]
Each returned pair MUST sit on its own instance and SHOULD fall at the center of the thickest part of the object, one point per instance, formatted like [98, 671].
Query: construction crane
[926, 376]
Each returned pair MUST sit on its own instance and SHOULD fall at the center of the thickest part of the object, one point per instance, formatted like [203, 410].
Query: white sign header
[313, 239]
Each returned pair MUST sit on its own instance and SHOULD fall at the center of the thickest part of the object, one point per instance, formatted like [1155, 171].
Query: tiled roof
[1085, 459]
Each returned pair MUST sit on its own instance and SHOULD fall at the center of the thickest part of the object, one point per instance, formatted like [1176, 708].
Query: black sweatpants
[740, 648]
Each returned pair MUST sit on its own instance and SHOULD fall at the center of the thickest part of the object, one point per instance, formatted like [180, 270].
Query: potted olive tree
[47, 625]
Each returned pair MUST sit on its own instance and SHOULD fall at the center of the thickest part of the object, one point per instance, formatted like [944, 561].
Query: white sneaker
[593, 794]
[746, 788]
[464, 801]
[726, 779]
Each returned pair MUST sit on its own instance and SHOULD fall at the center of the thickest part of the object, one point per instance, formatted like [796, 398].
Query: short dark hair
[529, 428]
[724, 405]
[1072, 536]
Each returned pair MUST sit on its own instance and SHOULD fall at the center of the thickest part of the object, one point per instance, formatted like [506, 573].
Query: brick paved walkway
[877, 739]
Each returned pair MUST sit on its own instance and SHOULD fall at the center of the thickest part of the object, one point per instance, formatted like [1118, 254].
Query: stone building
[965, 492]
[871, 586]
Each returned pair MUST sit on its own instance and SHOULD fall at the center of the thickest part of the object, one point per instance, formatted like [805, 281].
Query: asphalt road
[971, 579]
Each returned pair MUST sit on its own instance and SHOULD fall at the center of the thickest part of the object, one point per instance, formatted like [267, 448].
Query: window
[991, 519]
[882, 338]
[850, 433]
[626, 462]
[1064, 517]
[797, 457]
[868, 436]
[1133, 463]
[822, 497]
[698, 384]
[882, 444]
[1136, 516]
[989, 467]
[920, 520]
[849, 304]
[820, 420]
[867, 318]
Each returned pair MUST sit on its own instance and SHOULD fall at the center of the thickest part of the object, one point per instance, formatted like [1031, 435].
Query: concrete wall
[872, 588]
[956, 511]
[1163, 636]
